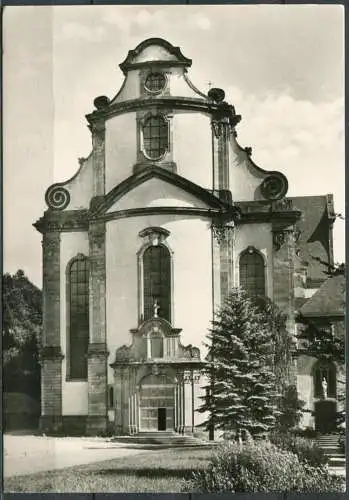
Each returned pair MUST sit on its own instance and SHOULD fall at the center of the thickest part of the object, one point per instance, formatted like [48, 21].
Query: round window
[155, 82]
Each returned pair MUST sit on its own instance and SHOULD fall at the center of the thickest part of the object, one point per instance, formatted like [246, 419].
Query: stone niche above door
[155, 340]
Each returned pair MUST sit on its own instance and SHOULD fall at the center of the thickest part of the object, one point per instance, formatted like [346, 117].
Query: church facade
[144, 242]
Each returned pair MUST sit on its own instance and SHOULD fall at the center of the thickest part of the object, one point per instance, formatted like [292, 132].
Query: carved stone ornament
[217, 128]
[57, 197]
[282, 205]
[274, 187]
[222, 232]
[155, 235]
[188, 377]
[155, 370]
[279, 239]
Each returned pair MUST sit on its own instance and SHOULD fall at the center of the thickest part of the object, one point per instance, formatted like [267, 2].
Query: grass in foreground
[160, 471]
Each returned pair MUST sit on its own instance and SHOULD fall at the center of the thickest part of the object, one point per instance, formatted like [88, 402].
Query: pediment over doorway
[155, 340]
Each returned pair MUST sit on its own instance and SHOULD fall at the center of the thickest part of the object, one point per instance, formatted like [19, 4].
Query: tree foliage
[22, 326]
[243, 386]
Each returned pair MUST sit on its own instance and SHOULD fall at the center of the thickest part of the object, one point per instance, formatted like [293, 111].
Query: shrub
[261, 467]
[308, 432]
[308, 451]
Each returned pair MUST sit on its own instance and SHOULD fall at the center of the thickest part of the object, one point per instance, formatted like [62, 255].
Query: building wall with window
[257, 237]
[166, 214]
[191, 283]
[74, 390]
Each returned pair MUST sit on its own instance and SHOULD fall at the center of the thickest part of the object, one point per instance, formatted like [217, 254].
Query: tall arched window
[78, 297]
[157, 281]
[324, 376]
[155, 136]
[252, 273]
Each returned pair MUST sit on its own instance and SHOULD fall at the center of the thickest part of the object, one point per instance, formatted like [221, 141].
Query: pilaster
[283, 277]
[98, 144]
[50, 355]
[220, 152]
[222, 258]
[97, 351]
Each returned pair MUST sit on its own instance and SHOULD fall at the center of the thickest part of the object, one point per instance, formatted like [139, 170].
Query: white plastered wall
[156, 193]
[244, 179]
[192, 147]
[120, 148]
[81, 186]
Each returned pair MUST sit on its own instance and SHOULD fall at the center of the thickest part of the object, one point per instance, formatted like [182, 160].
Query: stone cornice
[240, 213]
[69, 220]
[181, 60]
[180, 103]
[51, 352]
[139, 212]
[265, 211]
[179, 362]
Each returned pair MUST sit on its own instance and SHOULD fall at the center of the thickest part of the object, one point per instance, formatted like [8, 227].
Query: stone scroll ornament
[274, 187]
[57, 197]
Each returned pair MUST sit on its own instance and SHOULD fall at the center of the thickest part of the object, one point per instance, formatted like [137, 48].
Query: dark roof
[328, 300]
[315, 238]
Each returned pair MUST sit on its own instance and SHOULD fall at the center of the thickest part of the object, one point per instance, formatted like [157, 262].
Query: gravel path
[29, 454]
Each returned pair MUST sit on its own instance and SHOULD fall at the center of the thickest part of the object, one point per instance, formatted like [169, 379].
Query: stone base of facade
[51, 424]
[96, 425]
[74, 425]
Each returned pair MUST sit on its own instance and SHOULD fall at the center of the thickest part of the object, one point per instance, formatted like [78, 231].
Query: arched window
[252, 273]
[324, 376]
[157, 282]
[78, 297]
[155, 136]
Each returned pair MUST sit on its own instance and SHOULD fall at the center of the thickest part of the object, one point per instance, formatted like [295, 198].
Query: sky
[281, 66]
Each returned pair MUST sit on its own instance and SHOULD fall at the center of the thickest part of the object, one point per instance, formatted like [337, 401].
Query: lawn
[161, 471]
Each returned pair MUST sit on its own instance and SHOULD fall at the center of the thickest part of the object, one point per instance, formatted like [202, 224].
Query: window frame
[144, 123]
[157, 91]
[154, 236]
[250, 251]
[78, 258]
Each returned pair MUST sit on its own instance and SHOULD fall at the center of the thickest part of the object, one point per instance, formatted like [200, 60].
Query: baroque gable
[188, 193]
[156, 341]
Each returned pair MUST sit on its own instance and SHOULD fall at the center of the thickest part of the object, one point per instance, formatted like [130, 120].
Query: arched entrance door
[157, 403]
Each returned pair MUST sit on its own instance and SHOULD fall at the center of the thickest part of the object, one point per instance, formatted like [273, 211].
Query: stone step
[336, 461]
[159, 439]
[330, 449]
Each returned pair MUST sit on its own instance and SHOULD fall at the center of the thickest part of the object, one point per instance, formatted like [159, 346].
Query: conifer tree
[243, 392]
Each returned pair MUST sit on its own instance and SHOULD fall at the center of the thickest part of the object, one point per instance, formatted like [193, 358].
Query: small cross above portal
[156, 308]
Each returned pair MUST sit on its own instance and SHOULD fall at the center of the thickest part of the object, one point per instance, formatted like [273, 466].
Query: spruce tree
[242, 387]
